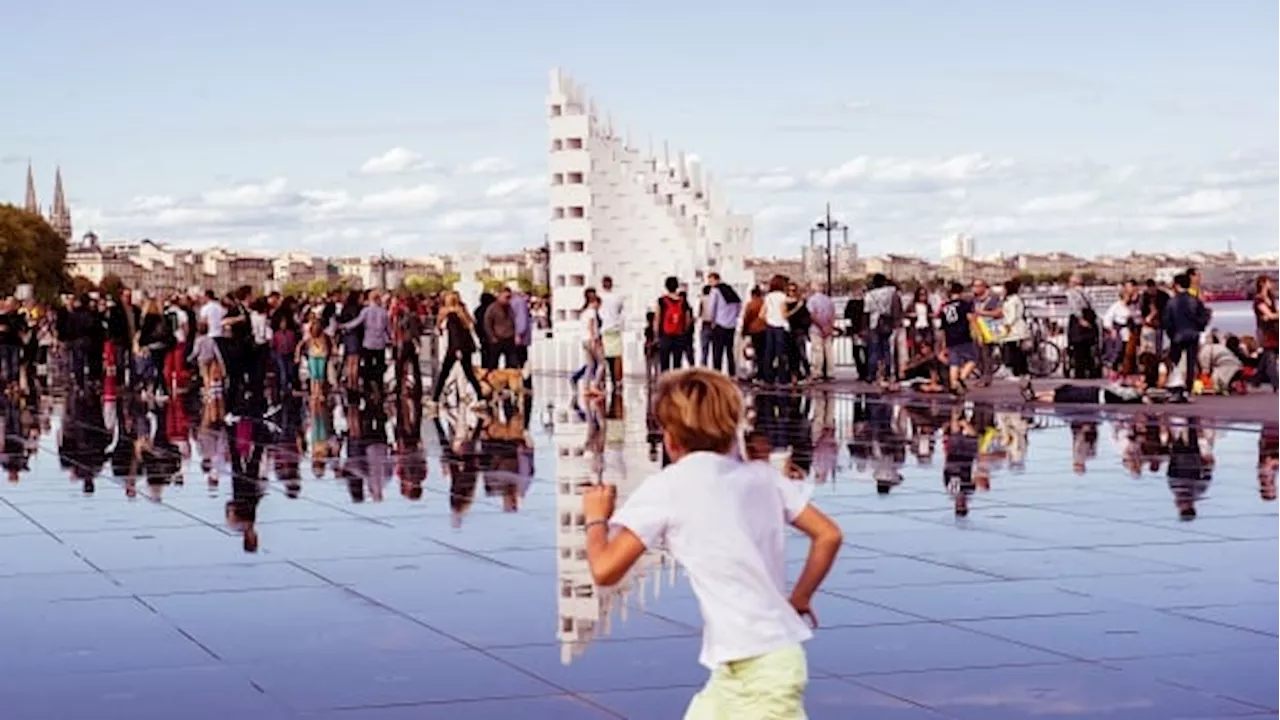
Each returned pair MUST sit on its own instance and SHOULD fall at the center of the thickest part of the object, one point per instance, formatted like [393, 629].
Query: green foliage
[493, 285]
[81, 285]
[30, 252]
[111, 285]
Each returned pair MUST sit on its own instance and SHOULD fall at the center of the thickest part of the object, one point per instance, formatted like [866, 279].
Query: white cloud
[249, 195]
[907, 174]
[396, 161]
[480, 219]
[524, 188]
[486, 166]
[857, 106]
[143, 203]
[1065, 202]
[403, 200]
[1203, 202]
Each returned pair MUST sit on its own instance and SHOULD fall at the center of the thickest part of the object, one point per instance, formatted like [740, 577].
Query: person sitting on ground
[724, 519]
[1222, 365]
[926, 372]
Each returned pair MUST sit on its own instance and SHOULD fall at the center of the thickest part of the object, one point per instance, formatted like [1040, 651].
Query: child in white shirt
[725, 521]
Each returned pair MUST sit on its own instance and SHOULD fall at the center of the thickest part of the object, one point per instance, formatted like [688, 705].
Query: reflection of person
[960, 453]
[1268, 460]
[721, 518]
[1190, 467]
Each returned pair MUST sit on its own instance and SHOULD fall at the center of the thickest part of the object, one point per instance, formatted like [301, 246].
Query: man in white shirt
[611, 326]
[212, 314]
[725, 520]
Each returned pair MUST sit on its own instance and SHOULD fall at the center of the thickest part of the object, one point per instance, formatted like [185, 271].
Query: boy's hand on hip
[804, 608]
[597, 502]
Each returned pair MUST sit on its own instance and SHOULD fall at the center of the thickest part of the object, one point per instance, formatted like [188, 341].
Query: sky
[411, 126]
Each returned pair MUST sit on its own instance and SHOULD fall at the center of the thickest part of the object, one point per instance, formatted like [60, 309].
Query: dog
[508, 381]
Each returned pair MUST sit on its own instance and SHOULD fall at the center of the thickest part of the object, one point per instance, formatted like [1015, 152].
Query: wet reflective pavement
[998, 564]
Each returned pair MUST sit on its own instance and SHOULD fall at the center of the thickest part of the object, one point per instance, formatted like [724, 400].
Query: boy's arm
[611, 558]
[824, 542]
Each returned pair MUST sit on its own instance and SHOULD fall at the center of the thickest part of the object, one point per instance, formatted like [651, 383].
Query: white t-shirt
[726, 521]
[610, 311]
[775, 309]
[591, 323]
[212, 313]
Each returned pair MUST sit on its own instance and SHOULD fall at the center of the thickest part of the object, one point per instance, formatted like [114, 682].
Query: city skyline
[336, 133]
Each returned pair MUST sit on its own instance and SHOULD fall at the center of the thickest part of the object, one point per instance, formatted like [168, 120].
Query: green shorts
[767, 687]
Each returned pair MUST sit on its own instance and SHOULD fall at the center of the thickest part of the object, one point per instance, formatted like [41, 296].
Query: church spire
[31, 205]
[59, 214]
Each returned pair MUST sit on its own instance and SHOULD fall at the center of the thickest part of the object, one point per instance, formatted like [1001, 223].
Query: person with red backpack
[671, 325]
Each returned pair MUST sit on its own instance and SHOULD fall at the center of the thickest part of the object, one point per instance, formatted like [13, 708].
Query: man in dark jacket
[1185, 317]
[500, 328]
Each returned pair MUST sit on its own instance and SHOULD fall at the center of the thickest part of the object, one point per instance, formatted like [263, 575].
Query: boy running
[724, 520]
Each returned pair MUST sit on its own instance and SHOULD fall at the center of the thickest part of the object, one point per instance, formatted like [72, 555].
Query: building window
[559, 246]
[556, 111]
[682, 211]
[577, 280]
[577, 211]
[575, 178]
[560, 281]
[671, 200]
[577, 246]
[557, 213]
[573, 143]
[557, 178]
[557, 144]
[562, 315]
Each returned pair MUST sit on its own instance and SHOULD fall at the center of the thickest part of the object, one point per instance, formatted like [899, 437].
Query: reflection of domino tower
[586, 611]
[636, 216]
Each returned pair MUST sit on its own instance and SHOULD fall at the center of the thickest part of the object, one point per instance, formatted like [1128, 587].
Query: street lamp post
[829, 225]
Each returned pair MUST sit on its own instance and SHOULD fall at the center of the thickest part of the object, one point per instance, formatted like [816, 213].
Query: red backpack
[674, 318]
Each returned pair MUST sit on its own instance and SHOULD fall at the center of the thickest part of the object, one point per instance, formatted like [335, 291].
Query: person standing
[523, 317]
[754, 327]
[123, 321]
[883, 310]
[671, 324]
[1154, 300]
[1082, 329]
[1013, 320]
[1268, 330]
[706, 324]
[774, 368]
[376, 324]
[855, 316]
[611, 326]
[726, 305]
[962, 357]
[500, 328]
[987, 312]
[822, 332]
[1185, 318]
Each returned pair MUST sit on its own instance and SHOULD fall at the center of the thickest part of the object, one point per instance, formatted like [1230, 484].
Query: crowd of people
[246, 352]
[1153, 337]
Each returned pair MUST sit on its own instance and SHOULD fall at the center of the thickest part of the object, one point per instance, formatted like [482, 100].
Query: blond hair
[699, 409]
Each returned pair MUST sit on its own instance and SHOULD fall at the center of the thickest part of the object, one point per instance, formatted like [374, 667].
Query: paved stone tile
[655, 663]
[1074, 690]
[913, 648]
[1246, 675]
[214, 578]
[1129, 633]
[84, 636]
[1259, 617]
[975, 601]
[159, 693]
[384, 678]
[1060, 562]
[20, 589]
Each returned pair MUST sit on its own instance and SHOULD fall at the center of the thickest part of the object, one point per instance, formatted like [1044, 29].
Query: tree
[493, 285]
[81, 285]
[31, 252]
[111, 285]
[318, 287]
[424, 284]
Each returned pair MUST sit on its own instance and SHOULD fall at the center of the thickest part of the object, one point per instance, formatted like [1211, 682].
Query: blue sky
[1085, 126]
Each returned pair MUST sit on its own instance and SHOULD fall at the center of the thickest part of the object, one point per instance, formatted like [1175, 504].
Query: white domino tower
[637, 216]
